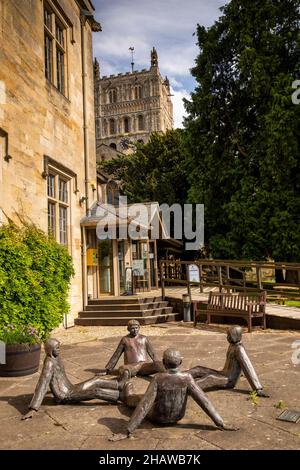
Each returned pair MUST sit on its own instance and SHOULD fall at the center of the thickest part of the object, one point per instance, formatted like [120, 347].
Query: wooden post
[155, 264]
[188, 281]
[162, 280]
[228, 277]
[227, 273]
[258, 277]
[219, 267]
[200, 274]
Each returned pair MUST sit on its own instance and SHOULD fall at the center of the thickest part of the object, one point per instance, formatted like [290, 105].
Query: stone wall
[39, 121]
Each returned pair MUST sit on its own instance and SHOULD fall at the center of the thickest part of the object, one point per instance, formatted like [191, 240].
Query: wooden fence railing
[281, 281]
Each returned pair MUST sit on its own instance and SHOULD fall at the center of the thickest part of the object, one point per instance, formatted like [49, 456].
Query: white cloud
[178, 106]
[175, 83]
[168, 25]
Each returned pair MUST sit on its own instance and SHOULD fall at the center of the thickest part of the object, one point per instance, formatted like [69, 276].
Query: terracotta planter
[21, 359]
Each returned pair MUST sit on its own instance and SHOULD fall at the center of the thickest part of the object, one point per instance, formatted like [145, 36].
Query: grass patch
[292, 303]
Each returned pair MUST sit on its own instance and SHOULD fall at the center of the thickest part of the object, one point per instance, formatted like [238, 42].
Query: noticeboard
[138, 267]
[92, 257]
[193, 272]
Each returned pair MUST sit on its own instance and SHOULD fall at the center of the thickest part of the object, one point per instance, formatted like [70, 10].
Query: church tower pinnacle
[154, 58]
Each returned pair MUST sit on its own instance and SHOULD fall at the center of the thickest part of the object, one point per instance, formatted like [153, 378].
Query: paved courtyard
[89, 425]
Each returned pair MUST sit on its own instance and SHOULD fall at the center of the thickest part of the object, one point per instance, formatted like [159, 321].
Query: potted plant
[21, 352]
[35, 274]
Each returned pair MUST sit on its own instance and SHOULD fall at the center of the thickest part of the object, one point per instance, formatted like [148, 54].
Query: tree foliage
[35, 273]
[243, 131]
[155, 172]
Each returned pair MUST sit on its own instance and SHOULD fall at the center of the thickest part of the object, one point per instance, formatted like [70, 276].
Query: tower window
[112, 96]
[112, 126]
[141, 125]
[126, 125]
[137, 92]
[113, 146]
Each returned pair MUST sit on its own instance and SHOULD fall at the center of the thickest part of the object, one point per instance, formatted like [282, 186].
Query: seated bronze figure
[54, 376]
[237, 361]
[136, 349]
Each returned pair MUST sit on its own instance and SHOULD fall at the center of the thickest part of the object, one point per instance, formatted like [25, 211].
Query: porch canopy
[144, 219]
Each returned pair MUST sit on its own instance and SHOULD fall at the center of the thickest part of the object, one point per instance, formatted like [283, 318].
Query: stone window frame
[112, 193]
[98, 129]
[126, 124]
[112, 96]
[56, 33]
[112, 126]
[60, 184]
[141, 122]
[138, 92]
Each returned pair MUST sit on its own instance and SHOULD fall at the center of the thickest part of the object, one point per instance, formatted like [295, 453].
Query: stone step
[126, 313]
[130, 299]
[120, 321]
[126, 306]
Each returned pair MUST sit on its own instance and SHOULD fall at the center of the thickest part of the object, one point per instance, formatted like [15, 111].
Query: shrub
[35, 274]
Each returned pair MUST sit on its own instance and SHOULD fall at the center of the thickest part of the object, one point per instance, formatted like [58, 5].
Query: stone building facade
[128, 107]
[47, 128]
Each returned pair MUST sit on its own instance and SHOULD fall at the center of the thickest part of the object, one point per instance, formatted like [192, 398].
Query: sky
[168, 25]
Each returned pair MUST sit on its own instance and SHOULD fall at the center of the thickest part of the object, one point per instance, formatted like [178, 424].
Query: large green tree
[155, 172]
[243, 131]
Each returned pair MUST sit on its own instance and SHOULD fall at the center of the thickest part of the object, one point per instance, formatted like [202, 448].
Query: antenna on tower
[132, 63]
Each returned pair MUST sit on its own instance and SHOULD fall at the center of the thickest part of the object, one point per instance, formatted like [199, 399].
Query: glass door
[121, 260]
[140, 258]
[153, 264]
[105, 266]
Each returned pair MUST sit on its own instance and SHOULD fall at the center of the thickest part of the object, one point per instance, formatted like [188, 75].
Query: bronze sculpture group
[165, 399]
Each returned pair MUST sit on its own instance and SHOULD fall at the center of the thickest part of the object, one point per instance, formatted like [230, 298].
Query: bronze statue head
[52, 347]
[234, 334]
[172, 359]
[133, 327]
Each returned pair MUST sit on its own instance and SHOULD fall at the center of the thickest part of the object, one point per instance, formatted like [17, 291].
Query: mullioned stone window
[55, 37]
[61, 183]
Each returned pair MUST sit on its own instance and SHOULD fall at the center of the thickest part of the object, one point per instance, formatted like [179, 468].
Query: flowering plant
[19, 334]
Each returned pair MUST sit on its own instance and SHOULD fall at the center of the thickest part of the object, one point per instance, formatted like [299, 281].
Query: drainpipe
[96, 27]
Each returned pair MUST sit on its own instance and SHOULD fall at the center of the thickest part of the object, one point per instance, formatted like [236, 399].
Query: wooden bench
[244, 305]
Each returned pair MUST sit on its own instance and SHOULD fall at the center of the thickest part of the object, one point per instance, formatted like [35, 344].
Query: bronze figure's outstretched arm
[115, 357]
[143, 407]
[42, 385]
[247, 367]
[150, 351]
[201, 399]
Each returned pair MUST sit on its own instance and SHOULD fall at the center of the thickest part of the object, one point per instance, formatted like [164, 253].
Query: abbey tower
[128, 107]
